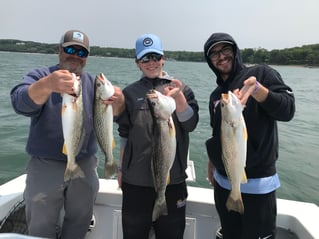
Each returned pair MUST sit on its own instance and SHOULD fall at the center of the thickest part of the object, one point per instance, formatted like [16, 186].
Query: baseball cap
[216, 43]
[148, 43]
[75, 37]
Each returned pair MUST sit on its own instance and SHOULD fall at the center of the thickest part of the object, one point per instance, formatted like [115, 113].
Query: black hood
[237, 64]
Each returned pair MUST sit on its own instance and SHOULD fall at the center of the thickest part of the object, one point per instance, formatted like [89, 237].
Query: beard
[72, 65]
[225, 65]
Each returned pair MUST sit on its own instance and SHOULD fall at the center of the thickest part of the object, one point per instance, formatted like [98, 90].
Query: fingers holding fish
[247, 90]
[252, 88]
[108, 93]
[117, 100]
[60, 81]
[173, 88]
[104, 88]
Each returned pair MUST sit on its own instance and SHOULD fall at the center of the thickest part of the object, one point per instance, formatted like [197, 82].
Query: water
[298, 162]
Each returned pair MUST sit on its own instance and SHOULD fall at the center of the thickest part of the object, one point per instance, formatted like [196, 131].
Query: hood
[237, 64]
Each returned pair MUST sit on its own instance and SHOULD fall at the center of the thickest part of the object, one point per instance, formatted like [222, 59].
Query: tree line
[307, 55]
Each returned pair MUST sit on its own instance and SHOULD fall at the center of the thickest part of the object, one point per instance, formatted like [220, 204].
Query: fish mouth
[152, 94]
[100, 77]
[225, 97]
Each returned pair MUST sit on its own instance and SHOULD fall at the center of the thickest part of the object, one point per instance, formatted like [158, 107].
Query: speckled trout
[103, 123]
[234, 146]
[73, 132]
[164, 147]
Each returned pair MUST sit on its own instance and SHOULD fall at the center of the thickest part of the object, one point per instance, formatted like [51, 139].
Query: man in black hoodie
[267, 99]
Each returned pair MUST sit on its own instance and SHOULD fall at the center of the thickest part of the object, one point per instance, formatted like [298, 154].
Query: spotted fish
[234, 147]
[73, 131]
[164, 147]
[103, 123]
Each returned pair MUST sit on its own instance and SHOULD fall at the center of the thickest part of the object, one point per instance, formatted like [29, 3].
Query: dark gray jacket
[136, 123]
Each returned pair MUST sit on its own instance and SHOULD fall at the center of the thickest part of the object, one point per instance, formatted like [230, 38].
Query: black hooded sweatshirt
[261, 118]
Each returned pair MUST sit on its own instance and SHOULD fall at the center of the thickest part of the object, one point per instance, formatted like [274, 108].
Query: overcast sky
[181, 24]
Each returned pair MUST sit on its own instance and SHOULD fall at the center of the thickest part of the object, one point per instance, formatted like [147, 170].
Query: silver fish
[164, 147]
[234, 147]
[73, 132]
[103, 123]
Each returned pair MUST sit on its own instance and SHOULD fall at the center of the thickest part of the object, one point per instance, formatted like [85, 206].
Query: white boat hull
[202, 219]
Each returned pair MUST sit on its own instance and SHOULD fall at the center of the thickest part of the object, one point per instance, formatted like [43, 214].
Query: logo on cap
[78, 36]
[148, 42]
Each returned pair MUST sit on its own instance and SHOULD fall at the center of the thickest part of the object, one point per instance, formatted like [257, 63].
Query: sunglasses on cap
[155, 57]
[71, 50]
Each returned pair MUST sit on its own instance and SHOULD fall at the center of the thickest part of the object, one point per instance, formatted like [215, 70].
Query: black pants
[258, 220]
[137, 207]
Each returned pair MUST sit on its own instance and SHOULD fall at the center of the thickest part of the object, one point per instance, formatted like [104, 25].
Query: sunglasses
[72, 50]
[148, 57]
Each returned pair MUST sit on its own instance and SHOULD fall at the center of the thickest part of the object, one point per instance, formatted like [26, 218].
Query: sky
[182, 25]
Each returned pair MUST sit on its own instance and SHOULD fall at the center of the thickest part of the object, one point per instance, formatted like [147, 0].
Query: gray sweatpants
[46, 194]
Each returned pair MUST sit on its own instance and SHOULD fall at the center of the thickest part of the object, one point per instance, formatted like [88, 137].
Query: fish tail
[64, 150]
[160, 208]
[73, 172]
[245, 134]
[235, 203]
[110, 168]
[168, 180]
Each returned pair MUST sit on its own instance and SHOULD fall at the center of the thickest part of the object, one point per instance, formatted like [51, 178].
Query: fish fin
[110, 169]
[64, 151]
[245, 134]
[73, 172]
[171, 127]
[235, 204]
[168, 180]
[63, 109]
[160, 208]
[74, 105]
[244, 177]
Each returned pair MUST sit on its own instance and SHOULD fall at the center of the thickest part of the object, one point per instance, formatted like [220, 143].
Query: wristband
[257, 86]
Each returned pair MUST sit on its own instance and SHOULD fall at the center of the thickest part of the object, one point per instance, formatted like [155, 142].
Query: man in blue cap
[135, 129]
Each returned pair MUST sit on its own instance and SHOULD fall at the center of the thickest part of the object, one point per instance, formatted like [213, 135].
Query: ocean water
[298, 163]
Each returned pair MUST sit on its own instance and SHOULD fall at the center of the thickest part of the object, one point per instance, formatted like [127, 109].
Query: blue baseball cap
[148, 43]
